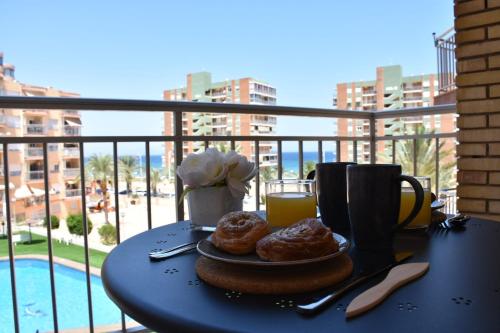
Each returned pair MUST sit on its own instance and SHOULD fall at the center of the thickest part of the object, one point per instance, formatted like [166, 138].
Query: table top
[460, 293]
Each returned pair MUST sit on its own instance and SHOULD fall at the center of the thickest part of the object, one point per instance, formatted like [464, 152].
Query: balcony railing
[34, 152]
[72, 130]
[366, 145]
[71, 172]
[35, 129]
[73, 193]
[72, 112]
[445, 48]
[260, 121]
[35, 174]
[72, 152]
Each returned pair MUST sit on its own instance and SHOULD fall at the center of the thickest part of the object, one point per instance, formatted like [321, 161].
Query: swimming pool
[34, 298]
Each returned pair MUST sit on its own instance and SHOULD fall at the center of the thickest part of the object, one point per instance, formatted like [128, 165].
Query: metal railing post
[355, 151]
[320, 151]
[373, 159]
[178, 149]
[148, 185]
[301, 159]
[280, 159]
[415, 157]
[49, 237]
[86, 238]
[437, 166]
[117, 213]
[257, 178]
[9, 236]
[393, 151]
[338, 152]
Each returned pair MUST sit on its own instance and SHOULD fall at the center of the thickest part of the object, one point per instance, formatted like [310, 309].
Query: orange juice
[286, 208]
[408, 200]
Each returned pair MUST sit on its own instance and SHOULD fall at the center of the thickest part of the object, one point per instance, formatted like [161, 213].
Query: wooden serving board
[277, 281]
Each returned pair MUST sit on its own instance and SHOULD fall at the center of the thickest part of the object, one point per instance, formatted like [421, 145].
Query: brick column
[477, 25]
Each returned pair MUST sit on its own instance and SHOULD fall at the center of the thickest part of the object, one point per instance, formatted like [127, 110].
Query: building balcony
[412, 89]
[35, 175]
[34, 152]
[266, 122]
[71, 172]
[72, 130]
[35, 129]
[72, 193]
[71, 112]
[71, 152]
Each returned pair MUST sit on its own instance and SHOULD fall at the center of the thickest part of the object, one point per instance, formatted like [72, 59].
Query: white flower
[204, 169]
[240, 171]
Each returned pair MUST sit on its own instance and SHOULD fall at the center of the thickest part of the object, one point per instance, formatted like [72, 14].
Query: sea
[290, 160]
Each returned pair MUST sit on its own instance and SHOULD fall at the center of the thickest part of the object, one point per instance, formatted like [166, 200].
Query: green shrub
[75, 224]
[54, 220]
[108, 234]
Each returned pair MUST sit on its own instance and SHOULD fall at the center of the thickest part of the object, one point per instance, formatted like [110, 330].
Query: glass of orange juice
[423, 217]
[289, 201]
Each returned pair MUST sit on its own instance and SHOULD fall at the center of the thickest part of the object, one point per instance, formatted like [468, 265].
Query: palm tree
[101, 170]
[155, 180]
[426, 159]
[128, 167]
[308, 167]
[223, 147]
[268, 173]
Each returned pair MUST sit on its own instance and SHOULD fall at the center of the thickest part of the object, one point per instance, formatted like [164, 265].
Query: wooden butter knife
[316, 306]
[397, 277]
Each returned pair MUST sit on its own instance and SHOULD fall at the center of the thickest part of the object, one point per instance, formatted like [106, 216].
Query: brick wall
[477, 25]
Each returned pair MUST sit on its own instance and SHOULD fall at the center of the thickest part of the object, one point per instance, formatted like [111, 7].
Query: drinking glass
[289, 201]
[423, 217]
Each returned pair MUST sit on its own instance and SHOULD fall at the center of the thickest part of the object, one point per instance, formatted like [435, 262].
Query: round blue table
[460, 293]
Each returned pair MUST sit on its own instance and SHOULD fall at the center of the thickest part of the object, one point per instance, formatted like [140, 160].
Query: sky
[137, 49]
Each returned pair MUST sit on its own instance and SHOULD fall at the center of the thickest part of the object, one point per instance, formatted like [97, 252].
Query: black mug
[374, 192]
[331, 188]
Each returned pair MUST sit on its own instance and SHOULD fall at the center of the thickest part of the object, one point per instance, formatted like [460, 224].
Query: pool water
[34, 298]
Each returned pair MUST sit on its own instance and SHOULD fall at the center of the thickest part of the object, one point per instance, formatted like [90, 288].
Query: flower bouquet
[216, 184]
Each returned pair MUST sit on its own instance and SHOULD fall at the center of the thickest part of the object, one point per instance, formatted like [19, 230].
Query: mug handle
[419, 200]
[310, 176]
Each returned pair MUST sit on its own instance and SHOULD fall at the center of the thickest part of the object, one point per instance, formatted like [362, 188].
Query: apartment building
[390, 90]
[200, 88]
[26, 171]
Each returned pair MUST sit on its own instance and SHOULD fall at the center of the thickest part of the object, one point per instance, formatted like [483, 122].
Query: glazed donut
[306, 239]
[238, 232]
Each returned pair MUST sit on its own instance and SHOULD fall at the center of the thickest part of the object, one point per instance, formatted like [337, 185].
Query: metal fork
[164, 254]
[456, 221]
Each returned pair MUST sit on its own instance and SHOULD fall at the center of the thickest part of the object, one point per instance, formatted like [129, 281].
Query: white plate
[207, 249]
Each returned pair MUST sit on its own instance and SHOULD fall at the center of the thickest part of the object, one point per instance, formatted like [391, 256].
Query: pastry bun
[306, 239]
[238, 232]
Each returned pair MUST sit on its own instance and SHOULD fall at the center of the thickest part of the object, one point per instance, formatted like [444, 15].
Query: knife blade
[397, 277]
[316, 306]
[204, 228]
